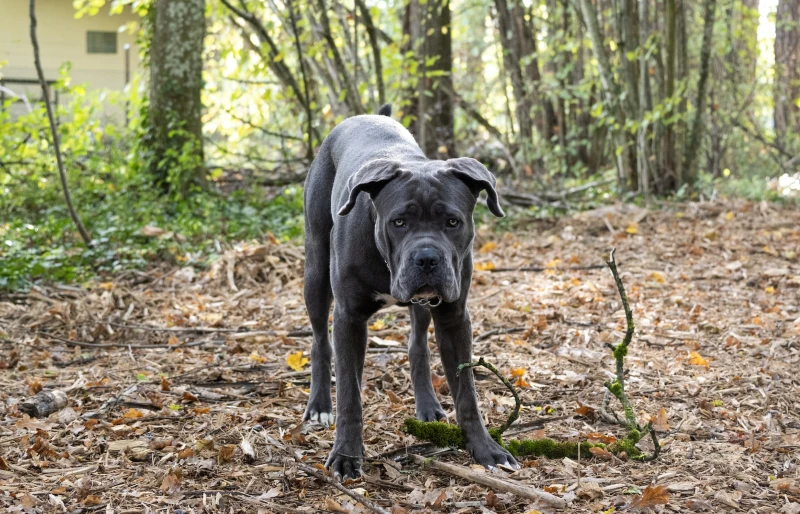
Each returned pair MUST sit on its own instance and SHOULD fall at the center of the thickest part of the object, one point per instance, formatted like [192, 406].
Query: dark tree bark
[669, 179]
[512, 65]
[429, 31]
[353, 98]
[696, 135]
[372, 33]
[176, 80]
[787, 68]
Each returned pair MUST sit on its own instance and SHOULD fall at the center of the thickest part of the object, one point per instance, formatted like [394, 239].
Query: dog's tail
[385, 110]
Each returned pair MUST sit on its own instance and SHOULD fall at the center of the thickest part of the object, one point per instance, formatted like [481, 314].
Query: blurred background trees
[628, 99]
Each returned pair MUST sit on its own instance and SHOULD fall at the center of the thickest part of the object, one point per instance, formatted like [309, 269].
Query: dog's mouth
[427, 296]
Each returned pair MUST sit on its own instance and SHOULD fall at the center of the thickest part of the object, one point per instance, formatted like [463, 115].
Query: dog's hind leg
[317, 287]
[428, 406]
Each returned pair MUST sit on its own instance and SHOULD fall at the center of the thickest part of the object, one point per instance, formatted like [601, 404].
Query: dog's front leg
[454, 337]
[350, 343]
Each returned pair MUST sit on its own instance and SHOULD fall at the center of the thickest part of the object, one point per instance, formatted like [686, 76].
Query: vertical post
[127, 48]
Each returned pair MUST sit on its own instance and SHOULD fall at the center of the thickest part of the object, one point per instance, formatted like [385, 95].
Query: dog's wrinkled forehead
[426, 188]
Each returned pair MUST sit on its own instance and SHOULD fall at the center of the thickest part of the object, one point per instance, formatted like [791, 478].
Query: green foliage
[116, 200]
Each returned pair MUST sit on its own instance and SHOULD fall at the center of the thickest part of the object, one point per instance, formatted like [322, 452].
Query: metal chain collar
[427, 303]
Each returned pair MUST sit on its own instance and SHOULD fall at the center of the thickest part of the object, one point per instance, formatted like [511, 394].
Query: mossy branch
[446, 435]
[617, 386]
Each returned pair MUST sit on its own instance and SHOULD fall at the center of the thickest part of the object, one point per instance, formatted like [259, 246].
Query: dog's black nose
[427, 259]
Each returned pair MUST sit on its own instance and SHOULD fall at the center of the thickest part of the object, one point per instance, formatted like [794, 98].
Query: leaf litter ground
[167, 372]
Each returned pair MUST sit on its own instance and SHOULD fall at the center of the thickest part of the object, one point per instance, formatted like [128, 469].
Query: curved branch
[517, 402]
[56, 145]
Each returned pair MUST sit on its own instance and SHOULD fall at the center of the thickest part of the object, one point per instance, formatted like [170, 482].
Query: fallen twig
[363, 500]
[497, 484]
[539, 269]
[235, 332]
[85, 344]
[497, 332]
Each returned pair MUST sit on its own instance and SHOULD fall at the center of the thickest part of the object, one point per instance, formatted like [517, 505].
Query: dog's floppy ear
[371, 178]
[478, 178]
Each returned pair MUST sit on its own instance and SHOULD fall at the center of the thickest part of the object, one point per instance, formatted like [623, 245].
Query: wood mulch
[168, 372]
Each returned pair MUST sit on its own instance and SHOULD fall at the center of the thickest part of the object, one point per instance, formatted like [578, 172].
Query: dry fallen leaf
[296, 361]
[695, 359]
[226, 452]
[488, 247]
[651, 496]
[255, 357]
[600, 453]
[133, 414]
[660, 423]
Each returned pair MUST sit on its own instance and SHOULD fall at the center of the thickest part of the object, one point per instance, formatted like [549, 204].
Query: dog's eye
[453, 223]
[399, 223]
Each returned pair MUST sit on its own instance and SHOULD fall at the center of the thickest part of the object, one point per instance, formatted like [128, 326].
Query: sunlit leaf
[296, 361]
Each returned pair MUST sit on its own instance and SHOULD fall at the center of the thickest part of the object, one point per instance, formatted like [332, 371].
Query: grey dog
[407, 241]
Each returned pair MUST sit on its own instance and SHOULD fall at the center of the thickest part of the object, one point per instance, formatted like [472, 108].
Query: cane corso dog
[385, 225]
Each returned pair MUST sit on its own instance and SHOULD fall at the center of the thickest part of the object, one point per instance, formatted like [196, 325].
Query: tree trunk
[427, 26]
[642, 154]
[369, 25]
[439, 138]
[670, 179]
[512, 63]
[610, 88]
[696, 135]
[787, 68]
[176, 79]
[352, 98]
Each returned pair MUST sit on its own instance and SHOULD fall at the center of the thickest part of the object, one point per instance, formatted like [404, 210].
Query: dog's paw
[343, 467]
[489, 454]
[319, 412]
[321, 418]
[430, 410]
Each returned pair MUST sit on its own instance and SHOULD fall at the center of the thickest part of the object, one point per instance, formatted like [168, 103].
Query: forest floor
[167, 372]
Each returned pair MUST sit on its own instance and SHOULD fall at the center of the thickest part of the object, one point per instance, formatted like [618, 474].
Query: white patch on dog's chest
[387, 299]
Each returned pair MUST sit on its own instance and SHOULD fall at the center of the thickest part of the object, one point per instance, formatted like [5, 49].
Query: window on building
[101, 42]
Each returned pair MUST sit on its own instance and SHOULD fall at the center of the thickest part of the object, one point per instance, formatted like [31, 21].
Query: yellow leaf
[521, 383]
[106, 285]
[296, 361]
[553, 263]
[133, 413]
[488, 247]
[255, 357]
[518, 372]
[378, 325]
[484, 266]
[729, 215]
[657, 277]
[633, 228]
[695, 359]
[770, 290]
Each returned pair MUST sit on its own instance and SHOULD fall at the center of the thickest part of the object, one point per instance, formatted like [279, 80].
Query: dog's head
[423, 225]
